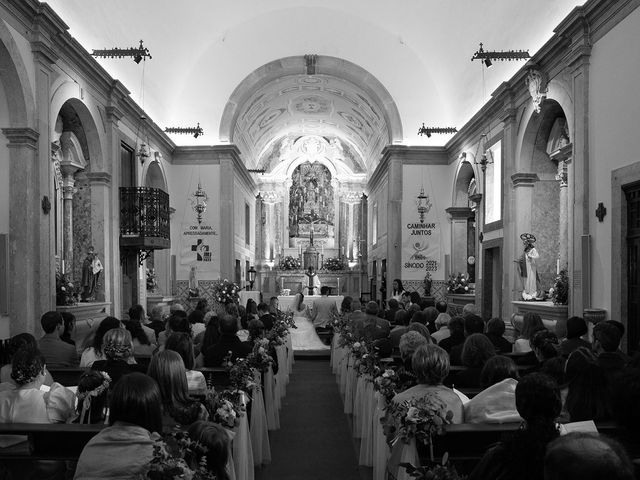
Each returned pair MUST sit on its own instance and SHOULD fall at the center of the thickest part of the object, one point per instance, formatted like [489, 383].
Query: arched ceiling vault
[335, 99]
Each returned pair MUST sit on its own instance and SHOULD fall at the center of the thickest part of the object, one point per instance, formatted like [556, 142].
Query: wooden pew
[217, 377]
[67, 376]
[466, 443]
[57, 441]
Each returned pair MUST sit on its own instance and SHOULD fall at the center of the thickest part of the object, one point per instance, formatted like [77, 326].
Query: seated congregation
[174, 394]
[422, 386]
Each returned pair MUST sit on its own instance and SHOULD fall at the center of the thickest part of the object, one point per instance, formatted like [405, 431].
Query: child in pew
[92, 394]
[124, 449]
[217, 441]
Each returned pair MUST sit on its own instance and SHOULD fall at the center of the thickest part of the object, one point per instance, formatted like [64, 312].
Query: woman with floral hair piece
[118, 349]
[93, 388]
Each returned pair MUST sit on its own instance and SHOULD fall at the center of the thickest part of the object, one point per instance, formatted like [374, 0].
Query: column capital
[351, 198]
[460, 213]
[562, 175]
[524, 179]
[99, 178]
[21, 137]
[270, 197]
[114, 114]
[68, 191]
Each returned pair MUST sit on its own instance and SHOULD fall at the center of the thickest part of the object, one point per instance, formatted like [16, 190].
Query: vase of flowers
[333, 263]
[458, 283]
[290, 263]
[66, 293]
[560, 291]
[152, 282]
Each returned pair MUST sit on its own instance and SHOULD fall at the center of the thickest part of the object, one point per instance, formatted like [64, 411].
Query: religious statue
[527, 266]
[91, 268]
[193, 283]
[311, 282]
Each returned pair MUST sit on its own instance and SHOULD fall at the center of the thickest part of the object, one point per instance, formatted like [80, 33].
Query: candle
[281, 283]
[558, 266]
[338, 285]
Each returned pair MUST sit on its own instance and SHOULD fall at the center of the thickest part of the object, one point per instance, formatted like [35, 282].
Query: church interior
[481, 161]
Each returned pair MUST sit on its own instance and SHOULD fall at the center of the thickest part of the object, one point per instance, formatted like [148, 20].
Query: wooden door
[633, 266]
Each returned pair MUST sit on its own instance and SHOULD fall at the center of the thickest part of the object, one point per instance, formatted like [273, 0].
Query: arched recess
[159, 261]
[463, 214]
[68, 95]
[16, 82]
[545, 151]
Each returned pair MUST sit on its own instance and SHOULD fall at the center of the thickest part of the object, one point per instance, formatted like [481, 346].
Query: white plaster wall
[24, 47]
[4, 189]
[614, 138]
[184, 181]
[378, 246]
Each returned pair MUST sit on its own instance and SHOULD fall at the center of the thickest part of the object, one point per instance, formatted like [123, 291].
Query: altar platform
[285, 302]
[341, 282]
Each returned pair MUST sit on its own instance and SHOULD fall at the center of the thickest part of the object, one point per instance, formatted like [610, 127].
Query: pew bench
[57, 441]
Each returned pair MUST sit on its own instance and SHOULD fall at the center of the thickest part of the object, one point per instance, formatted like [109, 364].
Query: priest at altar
[311, 282]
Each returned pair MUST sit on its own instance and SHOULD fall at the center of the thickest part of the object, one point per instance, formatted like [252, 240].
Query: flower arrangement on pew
[435, 471]
[387, 383]
[259, 358]
[420, 418]
[177, 456]
[369, 364]
[225, 407]
[278, 334]
[241, 375]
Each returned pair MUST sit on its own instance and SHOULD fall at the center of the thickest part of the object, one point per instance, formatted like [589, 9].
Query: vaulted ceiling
[212, 63]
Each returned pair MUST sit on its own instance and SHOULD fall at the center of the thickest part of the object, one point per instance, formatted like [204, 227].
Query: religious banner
[421, 227]
[199, 235]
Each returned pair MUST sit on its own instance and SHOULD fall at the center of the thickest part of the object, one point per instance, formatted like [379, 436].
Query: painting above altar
[311, 204]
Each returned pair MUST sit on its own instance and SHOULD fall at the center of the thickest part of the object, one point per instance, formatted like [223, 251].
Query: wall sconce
[252, 277]
[601, 211]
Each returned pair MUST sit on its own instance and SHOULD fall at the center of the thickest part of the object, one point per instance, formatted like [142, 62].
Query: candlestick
[338, 285]
[281, 283]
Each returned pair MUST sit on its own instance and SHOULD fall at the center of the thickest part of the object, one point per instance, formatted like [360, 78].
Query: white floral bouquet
[226, 292]
[259, 358]
[458, 283]
[66, 292]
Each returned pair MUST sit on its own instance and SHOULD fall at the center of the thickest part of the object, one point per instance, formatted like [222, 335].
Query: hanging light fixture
[484, 160]
[502, 55]
[138, 53]
[142, 151]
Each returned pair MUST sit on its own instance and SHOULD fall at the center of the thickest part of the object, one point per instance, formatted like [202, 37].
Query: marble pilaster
[100, 184]
[25, 303]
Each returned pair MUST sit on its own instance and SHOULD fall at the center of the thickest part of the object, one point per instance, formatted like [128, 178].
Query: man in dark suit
[390, 314]
[265, 317]
[228, 342]
[57, 353]
[472, 324]
[377, 329]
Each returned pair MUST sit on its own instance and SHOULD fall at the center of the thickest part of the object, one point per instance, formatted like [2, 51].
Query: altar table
[286, 302]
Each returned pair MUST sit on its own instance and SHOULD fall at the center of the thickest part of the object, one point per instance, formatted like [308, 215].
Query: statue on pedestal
[91, 268]
[528, 268]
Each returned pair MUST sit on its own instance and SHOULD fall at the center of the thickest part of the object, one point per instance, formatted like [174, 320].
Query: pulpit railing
[144, 218]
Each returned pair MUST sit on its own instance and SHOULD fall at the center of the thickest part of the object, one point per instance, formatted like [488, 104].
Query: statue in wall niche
[193, 282]
[91, 268]
[527, 266]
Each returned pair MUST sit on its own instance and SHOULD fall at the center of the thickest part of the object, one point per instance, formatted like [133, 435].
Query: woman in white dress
[304, 336]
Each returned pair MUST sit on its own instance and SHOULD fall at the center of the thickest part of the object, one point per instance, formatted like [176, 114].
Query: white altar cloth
[286, 303]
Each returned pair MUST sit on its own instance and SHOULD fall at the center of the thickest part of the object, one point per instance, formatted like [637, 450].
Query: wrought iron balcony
[144, 218]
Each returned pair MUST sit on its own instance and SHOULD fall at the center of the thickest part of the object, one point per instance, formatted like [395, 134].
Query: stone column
[285, 213]
[25, 307]
[459, 218]
[351, 199]
[394, 220]
[562, 157]
[68, 189]
[269, 199]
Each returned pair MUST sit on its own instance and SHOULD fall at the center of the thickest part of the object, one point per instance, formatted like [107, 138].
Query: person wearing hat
[528, 269]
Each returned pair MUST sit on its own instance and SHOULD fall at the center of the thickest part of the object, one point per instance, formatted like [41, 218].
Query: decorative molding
[21, 137]
[537, 83]
[114, 114]
[97, 178]
[563, 154]
[271, 197]
[524, 179]
[460, 213]
[43, 53]
[562, 175]
[351, 197]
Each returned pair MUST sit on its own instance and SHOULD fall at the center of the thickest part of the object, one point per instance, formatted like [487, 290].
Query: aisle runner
[314, 441]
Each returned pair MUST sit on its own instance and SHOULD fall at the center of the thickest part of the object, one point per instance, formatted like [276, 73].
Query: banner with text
[199, 235]
[421, 227]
